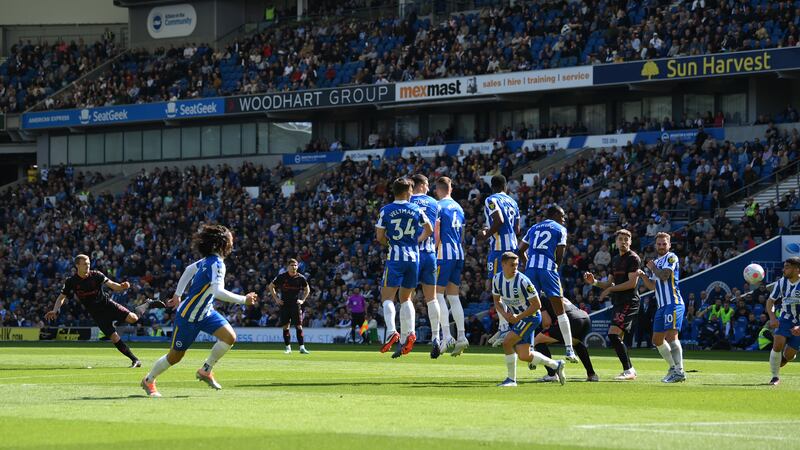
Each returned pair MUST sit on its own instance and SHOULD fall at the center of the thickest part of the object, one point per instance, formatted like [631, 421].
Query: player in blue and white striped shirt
[502, 227]
[450, 259]
[787, 336]
[196, 312]
[516, 299]
[668, 319]
[401, 226]
[541, 251]
[427, 257]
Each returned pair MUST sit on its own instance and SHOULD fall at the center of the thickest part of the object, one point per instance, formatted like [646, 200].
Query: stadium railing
[94, 73]
[774, 178]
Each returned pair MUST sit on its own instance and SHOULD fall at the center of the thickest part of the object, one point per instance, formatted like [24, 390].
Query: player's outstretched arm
[117, 287]
[217, 287]
[648, 283]
[50, 315]
[633, 280]
[589, 278]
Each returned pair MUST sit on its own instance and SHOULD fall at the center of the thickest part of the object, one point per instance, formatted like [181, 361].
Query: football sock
[287, 337]
[444, 317]
[677, 354]
[511, 365]
[583, 354]
[406, 319]
[158, 368]
[622, 351]
[433, 317]
[217, 351]
[775, 362]
[666, 353]
[298, 330]
[388, 317]
[566, 331]
[539, 358]
[543, 349]
[458, 314]
[125, 350]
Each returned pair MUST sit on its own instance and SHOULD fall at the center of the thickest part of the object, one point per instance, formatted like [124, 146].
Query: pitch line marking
[691, 424]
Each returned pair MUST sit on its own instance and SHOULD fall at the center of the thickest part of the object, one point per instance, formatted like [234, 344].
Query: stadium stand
[31, 73]
[142, 235]
[345, 50]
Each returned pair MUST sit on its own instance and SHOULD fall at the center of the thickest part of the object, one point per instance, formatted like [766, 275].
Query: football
[754, 274]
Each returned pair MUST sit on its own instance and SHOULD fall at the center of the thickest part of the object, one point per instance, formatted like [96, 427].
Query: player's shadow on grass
[736, 384]
[121, 397]
[413, 384]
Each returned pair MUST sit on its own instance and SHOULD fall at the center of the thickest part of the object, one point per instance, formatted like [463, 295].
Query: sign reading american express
[182, 109]
[720, 64]
[318, 98]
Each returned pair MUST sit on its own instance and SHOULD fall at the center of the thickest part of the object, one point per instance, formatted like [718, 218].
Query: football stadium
[388, 223]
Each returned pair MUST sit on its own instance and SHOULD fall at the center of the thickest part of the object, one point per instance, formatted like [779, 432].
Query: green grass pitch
[357, 398]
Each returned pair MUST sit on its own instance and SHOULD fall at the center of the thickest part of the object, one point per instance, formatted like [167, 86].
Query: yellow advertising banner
[19, 334]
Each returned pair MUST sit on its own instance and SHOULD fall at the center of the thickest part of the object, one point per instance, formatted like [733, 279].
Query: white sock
[677, 354]
[406, 319]
[217, 351]
[433, 317]
[539, 358]
[775, 362]
[566, 331]
[666, 353]
[511, 365]
[388, 316]
[444, 317]
[458, 314]
[503, 323]
[162, 365]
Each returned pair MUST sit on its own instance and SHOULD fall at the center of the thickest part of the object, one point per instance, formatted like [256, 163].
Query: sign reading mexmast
[493, 84]
[182, 109]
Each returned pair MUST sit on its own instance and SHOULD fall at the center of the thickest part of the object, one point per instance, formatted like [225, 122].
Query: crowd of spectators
[32, 72]
[341, 49]
[143, 234]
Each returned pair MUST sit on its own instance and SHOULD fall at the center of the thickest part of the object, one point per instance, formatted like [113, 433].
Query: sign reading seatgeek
[714, 65]
[504, 83]
[182, 109]
[171, 21]
[310, 99]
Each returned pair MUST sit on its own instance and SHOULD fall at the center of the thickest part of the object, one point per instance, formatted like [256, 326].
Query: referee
[294, 290]
[624, 298]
